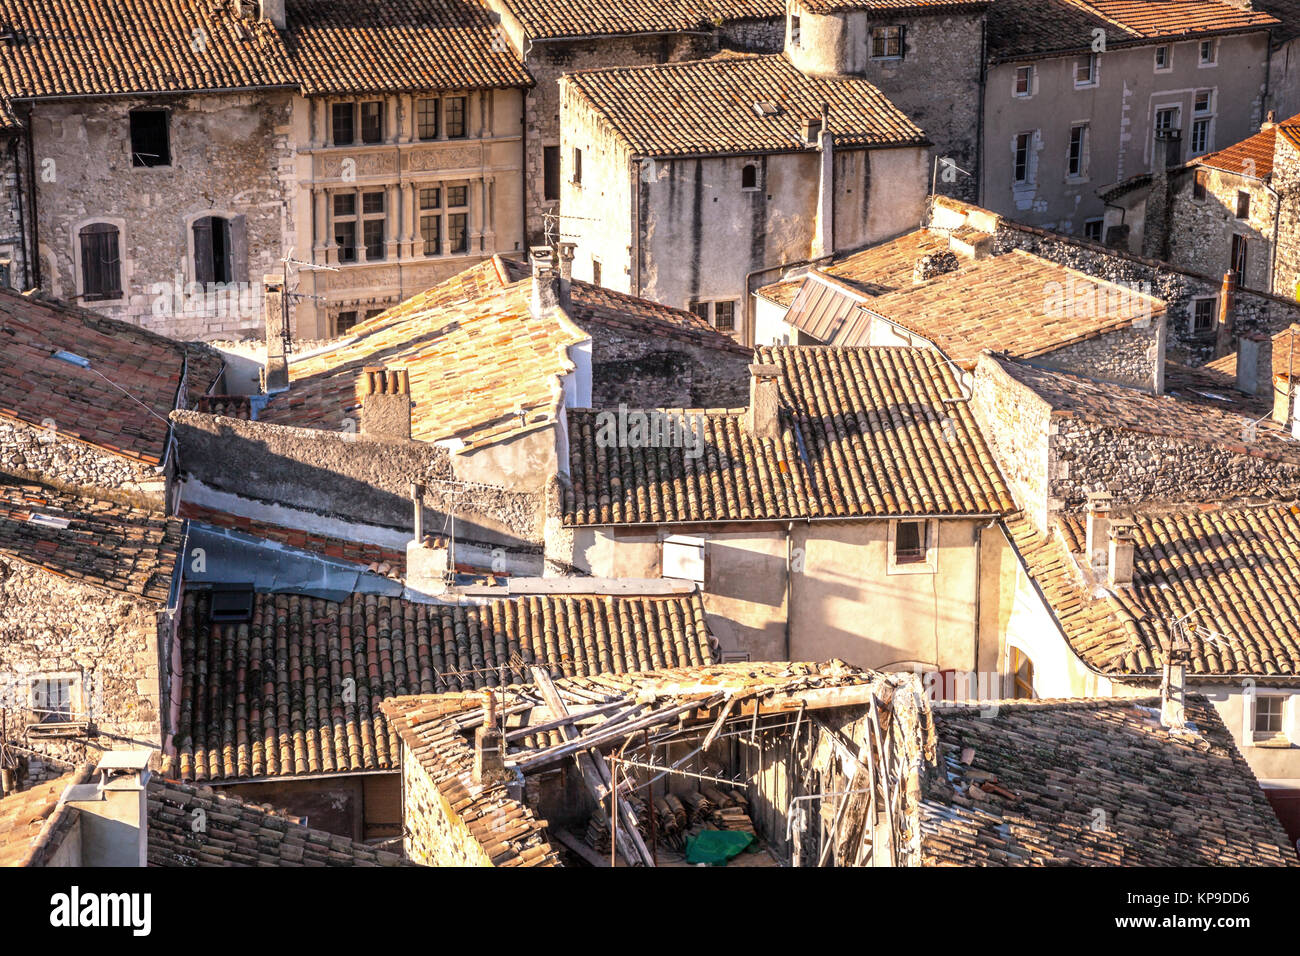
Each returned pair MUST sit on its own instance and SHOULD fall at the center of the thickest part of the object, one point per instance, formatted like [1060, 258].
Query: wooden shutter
[100, 264]
[238, 248]
[203, 265]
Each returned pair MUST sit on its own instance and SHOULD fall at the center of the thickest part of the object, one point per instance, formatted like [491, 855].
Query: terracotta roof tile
[552, 19]
[911, 7]
[1022, 28]
[33, 822]
[236, 832]
[708, 106]
[134, 375]
[863, 434]
[1256, 150]
[106, 544]
[1284, 361]
[91, 47]
[348, 46]
[1234, 570]
[297, 690]
[1164, 799]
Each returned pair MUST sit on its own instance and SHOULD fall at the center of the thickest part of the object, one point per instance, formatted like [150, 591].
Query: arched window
[101, 262]
[749, 177]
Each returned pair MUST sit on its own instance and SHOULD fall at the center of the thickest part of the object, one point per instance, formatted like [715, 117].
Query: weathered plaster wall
[1120, 110]
[230, 156]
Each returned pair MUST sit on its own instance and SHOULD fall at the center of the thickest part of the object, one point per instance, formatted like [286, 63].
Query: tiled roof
[1287, 13]
[93, 47]
[882, 268]
[910, 7]
[1018, 28]
[475, 355]
[509, 832]
[33, 823]
[552, 19]
[235, 832]
[1016, 303]
[109, 545]
[297, 690]
[864, 433]
[1195, 419]
[104, 405]
[356, 46]
[1284, 362]
[1257, 150]
[1094, 783]
[1235, 571]
[708, 106]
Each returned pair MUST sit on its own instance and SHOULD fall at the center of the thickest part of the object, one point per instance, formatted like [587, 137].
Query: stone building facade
[15, 231]
[41, 452]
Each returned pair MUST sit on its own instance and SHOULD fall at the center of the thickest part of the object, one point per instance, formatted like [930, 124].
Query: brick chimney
[1155, 232]
[276, 377]
[1119, 564]
[1255, 363]
[385, 398]
[762, 418]
[1227, 314]
[1097, 527]
[546, 281]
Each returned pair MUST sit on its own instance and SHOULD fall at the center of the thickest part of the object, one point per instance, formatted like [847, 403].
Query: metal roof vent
[232, 603]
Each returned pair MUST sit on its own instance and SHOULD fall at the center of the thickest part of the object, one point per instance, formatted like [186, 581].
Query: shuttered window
[101, 264]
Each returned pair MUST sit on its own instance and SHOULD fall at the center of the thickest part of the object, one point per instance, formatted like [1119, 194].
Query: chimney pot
[384, 395]
[1097, 528]
[1119, 571]
[762, 418]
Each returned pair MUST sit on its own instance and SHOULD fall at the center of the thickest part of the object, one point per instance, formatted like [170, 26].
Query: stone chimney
[1255, 363]
[1227, 313]
[114, 811]
[1119, 565]
[385, 398]
[1097, 528]
[273, 10]
[1282, 399]
[566, 251]
[489, 748]
[546, 282]
[1165, 153]
[762, 418]
[428, 559]
[935, 264]
[276, 377]
[824, 233]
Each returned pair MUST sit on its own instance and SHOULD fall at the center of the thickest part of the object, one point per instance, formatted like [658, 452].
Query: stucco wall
[1120, 110]
[230, 155]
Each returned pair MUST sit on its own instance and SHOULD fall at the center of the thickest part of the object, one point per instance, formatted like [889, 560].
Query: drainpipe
[635, 173]
[789, 584]
[34, 262]
[979, 119]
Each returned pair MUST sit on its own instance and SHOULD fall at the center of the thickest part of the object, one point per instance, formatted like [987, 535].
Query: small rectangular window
[372, 122]
[910, 542]
[342, 124]
[431, 198]
[53, 699]
[1092, 229]
[458, 232]
[1200, 137]
[1078, 141]
[426, 119]
[1024, 80]
[101, 263]
[1203, 316]
[431, 234]
[344, 322]
[1202, 102]
[1085, 70]
[1198, 184]
[1020, 165]
[456, 125]
[577, 165]
[374, 238]
[1162, 58]
[1269, 712]
[149, 143]
[551, 172]
[1207, 51]
[886, 43]
[1243, 204]
[724, 316]
[345, 237]
[457, 196]
[794, 29]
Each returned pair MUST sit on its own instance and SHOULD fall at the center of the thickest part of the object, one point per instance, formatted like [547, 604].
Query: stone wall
[40, 453]
[1132, 356]
[346, 476]
[13, 209]
[1201, 230]
[644, 370]
[434, 834]
[50, 625]
[1016, 423]
[1286, 182]
[230, 156]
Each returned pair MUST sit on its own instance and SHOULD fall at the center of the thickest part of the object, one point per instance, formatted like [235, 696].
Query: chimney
[276, 376]
[812, 130]
[1155, 232]
[1097, 528]
[385, 399]
[114, 811]
[1270, 120]
[824, 232]
[1119, 567]
[428, 559]
[1227, 310]
[1282, 400]
[489, 759]
[762, 418]
[1255, 363]
[566, 252]
[546, 282]
[1173, 683]
[935, 264]
[273, 10]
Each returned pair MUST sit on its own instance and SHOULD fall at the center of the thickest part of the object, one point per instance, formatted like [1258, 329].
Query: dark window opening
[794, 30]
[457, 195]
[909, 542]
[1078, 136]
[724, 316]
[149, 144]
[458, 232]
[1203, 317]
[101, 265]
[426, 119]
[1243, 204]
[374, 238]
[577, 165]
[595, 272]
[212, 250]
[749, 177]
[344, 322]
[1020, 169]
[456, 127]
[1238, 263]
[343, 124]
[1092, 230]
[431, 233]
[345, 237]
[372, 122]
[551, 172]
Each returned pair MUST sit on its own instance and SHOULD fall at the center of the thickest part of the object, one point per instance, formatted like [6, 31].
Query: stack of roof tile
[1093, 782]
[297, 689]
[867, 432]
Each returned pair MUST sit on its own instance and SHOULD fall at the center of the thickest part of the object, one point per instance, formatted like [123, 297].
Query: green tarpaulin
[716, 847]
